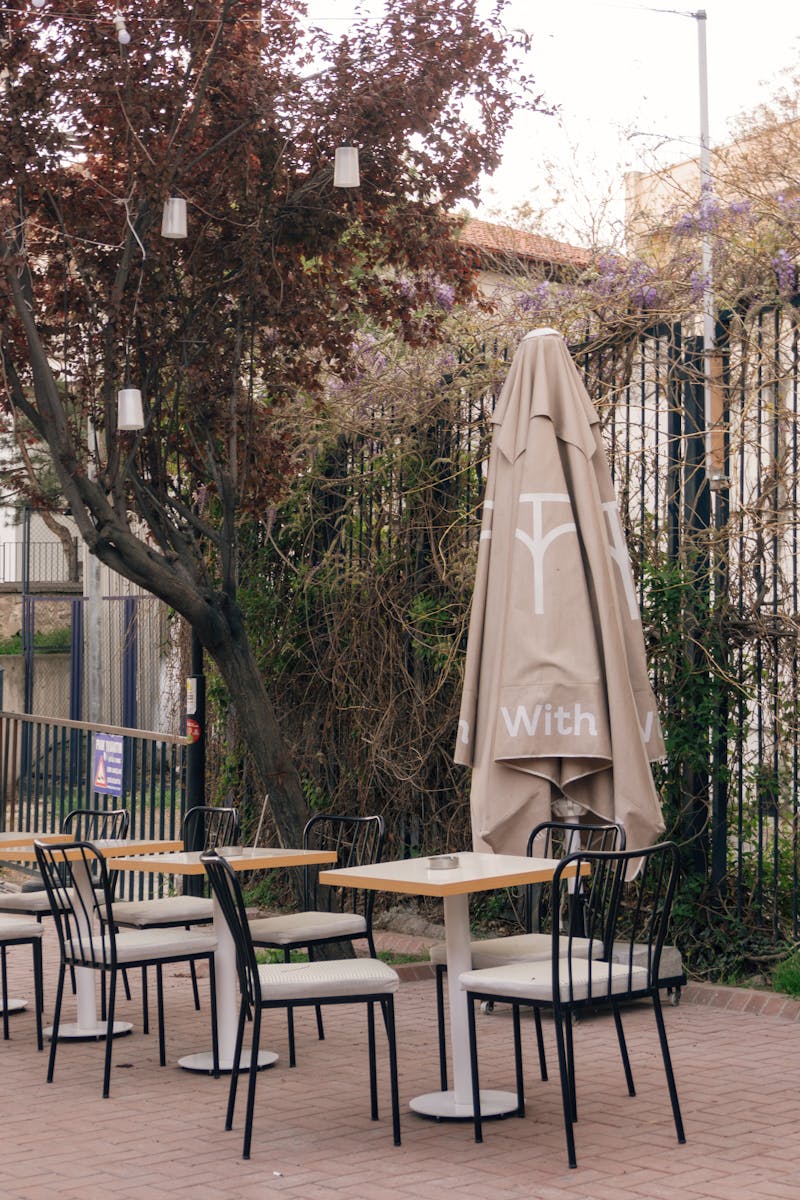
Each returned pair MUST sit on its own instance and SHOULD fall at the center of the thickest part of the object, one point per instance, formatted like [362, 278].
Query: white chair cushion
[136, 944]
[518, 947]
[670, 967]
[303, 927]
[24, 902]
[316, 980]
[166, 910]
[534, 981]
[15, 927]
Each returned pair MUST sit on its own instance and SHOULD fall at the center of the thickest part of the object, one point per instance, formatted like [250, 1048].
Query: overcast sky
[625, 75]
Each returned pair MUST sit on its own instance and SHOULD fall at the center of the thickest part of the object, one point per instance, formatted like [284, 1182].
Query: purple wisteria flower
[444, 295]
[785, 272]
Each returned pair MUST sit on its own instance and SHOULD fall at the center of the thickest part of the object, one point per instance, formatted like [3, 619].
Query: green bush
[54, 640]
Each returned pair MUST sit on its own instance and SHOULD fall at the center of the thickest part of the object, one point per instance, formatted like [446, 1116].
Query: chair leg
[5, 992]
[112, 999]
[537, 1019]
[162, 1046]
[145, 1003]
[566, 1089]
[440, 1025]
[665, 1054]
[38, 986]
[318, 1007]
[623, 1049]
[518, 1061]
[51, 1062]
[251, 1083]
[570, 1047]
[473, 1064]
[287, 957]
[193, 972]
[212, 976]
[387, 1008]
[373, 1066]
[126, 985]
[237, 1054]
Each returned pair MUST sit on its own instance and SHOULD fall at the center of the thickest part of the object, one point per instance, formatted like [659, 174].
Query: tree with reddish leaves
[235, 106]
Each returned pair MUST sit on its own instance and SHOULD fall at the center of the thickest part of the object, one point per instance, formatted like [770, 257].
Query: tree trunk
[259, 729]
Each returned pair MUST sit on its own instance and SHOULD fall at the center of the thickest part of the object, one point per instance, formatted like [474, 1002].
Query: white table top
[246, 858]
[474, 873]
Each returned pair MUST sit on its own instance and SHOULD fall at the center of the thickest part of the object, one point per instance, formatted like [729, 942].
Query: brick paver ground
[736, 1056]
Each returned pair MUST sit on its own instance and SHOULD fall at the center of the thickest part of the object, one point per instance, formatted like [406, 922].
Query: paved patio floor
[737, 1063]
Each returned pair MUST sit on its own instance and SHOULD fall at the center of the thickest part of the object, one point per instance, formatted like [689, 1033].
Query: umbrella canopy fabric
[556, 702]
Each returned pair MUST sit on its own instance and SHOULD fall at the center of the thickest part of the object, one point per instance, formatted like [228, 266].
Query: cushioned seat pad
[520, 947]
[534, 981]
[316, 980]
[136, 944]
[535, 947]
[18, 927]
[24, 902]
[166, 910]
[305, 927]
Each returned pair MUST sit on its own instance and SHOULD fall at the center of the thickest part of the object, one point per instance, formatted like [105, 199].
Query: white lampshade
[173, 222]
[130, 414]
[345, 167]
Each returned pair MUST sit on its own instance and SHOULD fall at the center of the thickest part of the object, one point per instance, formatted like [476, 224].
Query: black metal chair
[76, 879]
[82, 824]
[329, 914]
[292, 985]
[549, 839]
[619, 912]
[204, 827]
[21, 931]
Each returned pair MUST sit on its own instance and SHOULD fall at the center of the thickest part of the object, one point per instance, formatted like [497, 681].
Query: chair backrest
[98, 825]
[557, 839]
[75, 877]
[225, 887]
[357, 842]
[207, 826]
[629, 896]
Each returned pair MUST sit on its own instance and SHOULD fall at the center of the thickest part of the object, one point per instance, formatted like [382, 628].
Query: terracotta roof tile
[503, 240]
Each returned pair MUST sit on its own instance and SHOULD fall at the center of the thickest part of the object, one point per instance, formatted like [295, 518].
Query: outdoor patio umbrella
[557, 712]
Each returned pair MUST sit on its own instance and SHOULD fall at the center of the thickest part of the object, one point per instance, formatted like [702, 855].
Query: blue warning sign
[108, 758]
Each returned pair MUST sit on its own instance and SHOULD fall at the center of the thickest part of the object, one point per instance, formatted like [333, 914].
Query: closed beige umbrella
[557, 712]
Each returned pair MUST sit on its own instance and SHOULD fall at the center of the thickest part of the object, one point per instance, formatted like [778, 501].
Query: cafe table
[19, 848]
[252, 858]
[453, 878]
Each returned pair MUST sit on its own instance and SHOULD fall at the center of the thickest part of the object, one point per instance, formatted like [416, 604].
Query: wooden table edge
[436, 887]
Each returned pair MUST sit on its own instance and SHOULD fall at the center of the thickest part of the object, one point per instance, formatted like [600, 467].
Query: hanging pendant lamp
[130, 414]
[345, 167]
[173, 221]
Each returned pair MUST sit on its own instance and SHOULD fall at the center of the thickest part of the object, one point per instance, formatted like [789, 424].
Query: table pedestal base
[443, 1105]
[14, 1006]
[72, 1031]
[204, 1061]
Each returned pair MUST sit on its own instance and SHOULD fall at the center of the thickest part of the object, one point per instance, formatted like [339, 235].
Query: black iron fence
[706, 463]
[49, 767]
[707, 469]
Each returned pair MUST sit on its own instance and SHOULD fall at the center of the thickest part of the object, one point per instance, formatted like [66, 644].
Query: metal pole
[92, 576]
[195, 753]
[706, 268]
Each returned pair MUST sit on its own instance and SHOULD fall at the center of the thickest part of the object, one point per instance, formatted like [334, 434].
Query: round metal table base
[205, 1063]
[71, 1031]
[14, 1006]
[443, 1106]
